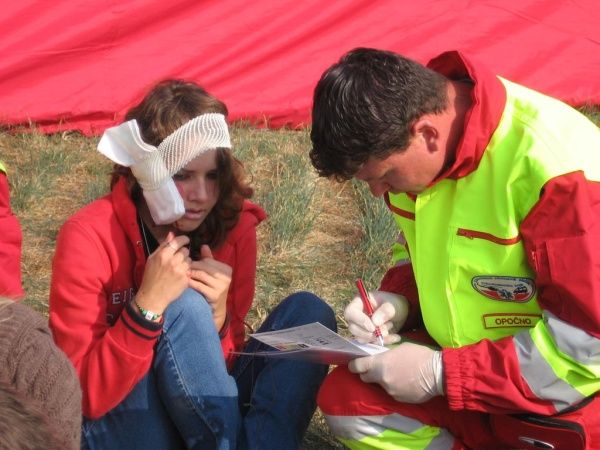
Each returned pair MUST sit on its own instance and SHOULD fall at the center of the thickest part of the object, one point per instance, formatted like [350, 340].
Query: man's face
[411, 170]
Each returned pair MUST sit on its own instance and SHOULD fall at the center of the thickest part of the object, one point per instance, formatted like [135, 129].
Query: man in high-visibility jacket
[492, 308]
[10, 244]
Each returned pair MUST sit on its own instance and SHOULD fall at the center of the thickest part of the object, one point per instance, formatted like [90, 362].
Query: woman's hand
[166, 274]
[212, 279]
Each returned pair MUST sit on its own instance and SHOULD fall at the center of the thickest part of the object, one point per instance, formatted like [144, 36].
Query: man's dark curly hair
[169, 105]
[364, 106]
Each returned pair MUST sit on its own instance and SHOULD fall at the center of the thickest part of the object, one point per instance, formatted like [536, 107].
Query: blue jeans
[189, 400]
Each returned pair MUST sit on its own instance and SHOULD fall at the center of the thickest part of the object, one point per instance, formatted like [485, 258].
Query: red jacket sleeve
[562, 240]
[109, 360]
[400, 279]
[10, 246]
[561, 235]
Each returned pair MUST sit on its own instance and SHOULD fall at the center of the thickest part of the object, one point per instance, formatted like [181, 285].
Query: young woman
[151, 285]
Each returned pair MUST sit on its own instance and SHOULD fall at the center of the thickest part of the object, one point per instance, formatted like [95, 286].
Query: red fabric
[486, 377]
[401, 280]
[97, 267]
[82, 64]
[10, 246]
[470, 428]
[371, 400]
[565, 253]
[239, 251]
[488, 99]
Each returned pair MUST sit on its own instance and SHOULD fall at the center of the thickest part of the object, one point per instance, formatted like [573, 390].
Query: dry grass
[313, 240]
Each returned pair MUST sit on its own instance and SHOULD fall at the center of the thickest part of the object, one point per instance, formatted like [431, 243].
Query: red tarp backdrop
[81, 64]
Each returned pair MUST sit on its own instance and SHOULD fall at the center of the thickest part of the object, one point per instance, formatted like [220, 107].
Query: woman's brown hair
[169, 105]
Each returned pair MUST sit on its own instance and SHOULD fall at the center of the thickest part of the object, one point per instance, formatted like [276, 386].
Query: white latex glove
[389, 314]
[410, 373]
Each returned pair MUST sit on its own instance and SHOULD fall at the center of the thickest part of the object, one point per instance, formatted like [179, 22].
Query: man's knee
[333, 398]
[369, 418]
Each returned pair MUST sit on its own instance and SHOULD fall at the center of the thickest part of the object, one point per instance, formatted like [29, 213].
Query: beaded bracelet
[147, 314]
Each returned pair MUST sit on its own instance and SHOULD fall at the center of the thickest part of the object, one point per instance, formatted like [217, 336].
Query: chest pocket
[491, 288]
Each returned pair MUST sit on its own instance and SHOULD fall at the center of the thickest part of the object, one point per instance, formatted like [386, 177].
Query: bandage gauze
[154, 167]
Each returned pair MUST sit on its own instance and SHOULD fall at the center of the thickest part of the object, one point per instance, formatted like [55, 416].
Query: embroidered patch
[505, 320]
[507, 289]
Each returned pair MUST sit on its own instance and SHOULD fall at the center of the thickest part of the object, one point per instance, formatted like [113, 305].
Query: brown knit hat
[35, 368]
[23, 423]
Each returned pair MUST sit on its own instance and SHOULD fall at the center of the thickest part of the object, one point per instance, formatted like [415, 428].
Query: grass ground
[320, 235]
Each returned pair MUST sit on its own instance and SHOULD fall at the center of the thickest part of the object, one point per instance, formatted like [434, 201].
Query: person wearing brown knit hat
[24, 425]
[37, 379]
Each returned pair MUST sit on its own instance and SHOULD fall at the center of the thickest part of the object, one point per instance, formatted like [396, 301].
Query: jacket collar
[488, 101]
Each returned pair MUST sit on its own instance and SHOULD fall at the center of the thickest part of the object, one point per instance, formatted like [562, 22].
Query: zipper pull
[465, 233]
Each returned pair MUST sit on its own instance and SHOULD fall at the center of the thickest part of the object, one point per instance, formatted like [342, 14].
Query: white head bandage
[154, 167]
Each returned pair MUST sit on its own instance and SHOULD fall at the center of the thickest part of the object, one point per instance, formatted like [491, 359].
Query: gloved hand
[389, 314]
[410, 373]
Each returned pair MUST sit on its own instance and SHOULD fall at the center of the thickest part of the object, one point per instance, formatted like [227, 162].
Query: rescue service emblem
[507, 289]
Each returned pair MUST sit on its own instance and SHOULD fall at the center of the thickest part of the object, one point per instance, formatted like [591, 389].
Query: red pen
[368, 307]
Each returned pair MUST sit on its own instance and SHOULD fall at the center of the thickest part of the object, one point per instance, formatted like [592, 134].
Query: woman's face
[197, 184]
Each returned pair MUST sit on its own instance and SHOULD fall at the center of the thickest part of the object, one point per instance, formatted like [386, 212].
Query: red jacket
[567, 270]
[10, 246]
[97, 269]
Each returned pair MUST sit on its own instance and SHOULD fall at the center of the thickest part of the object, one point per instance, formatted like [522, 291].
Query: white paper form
[313, 342]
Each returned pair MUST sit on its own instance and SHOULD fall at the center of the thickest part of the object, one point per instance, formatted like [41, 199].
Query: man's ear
[425, 129]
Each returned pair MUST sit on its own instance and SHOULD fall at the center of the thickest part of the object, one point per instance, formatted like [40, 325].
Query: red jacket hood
[488, 100]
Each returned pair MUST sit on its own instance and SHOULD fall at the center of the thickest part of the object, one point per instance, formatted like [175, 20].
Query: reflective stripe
[540, 376]
[388, 432]
[357, 427]
[579, 345]
[573, 357]
[442, 441]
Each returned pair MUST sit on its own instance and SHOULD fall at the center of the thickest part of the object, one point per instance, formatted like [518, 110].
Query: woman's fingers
[175, 243]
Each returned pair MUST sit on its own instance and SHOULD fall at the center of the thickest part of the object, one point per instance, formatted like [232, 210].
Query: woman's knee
[190, 318]
[189, 304]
